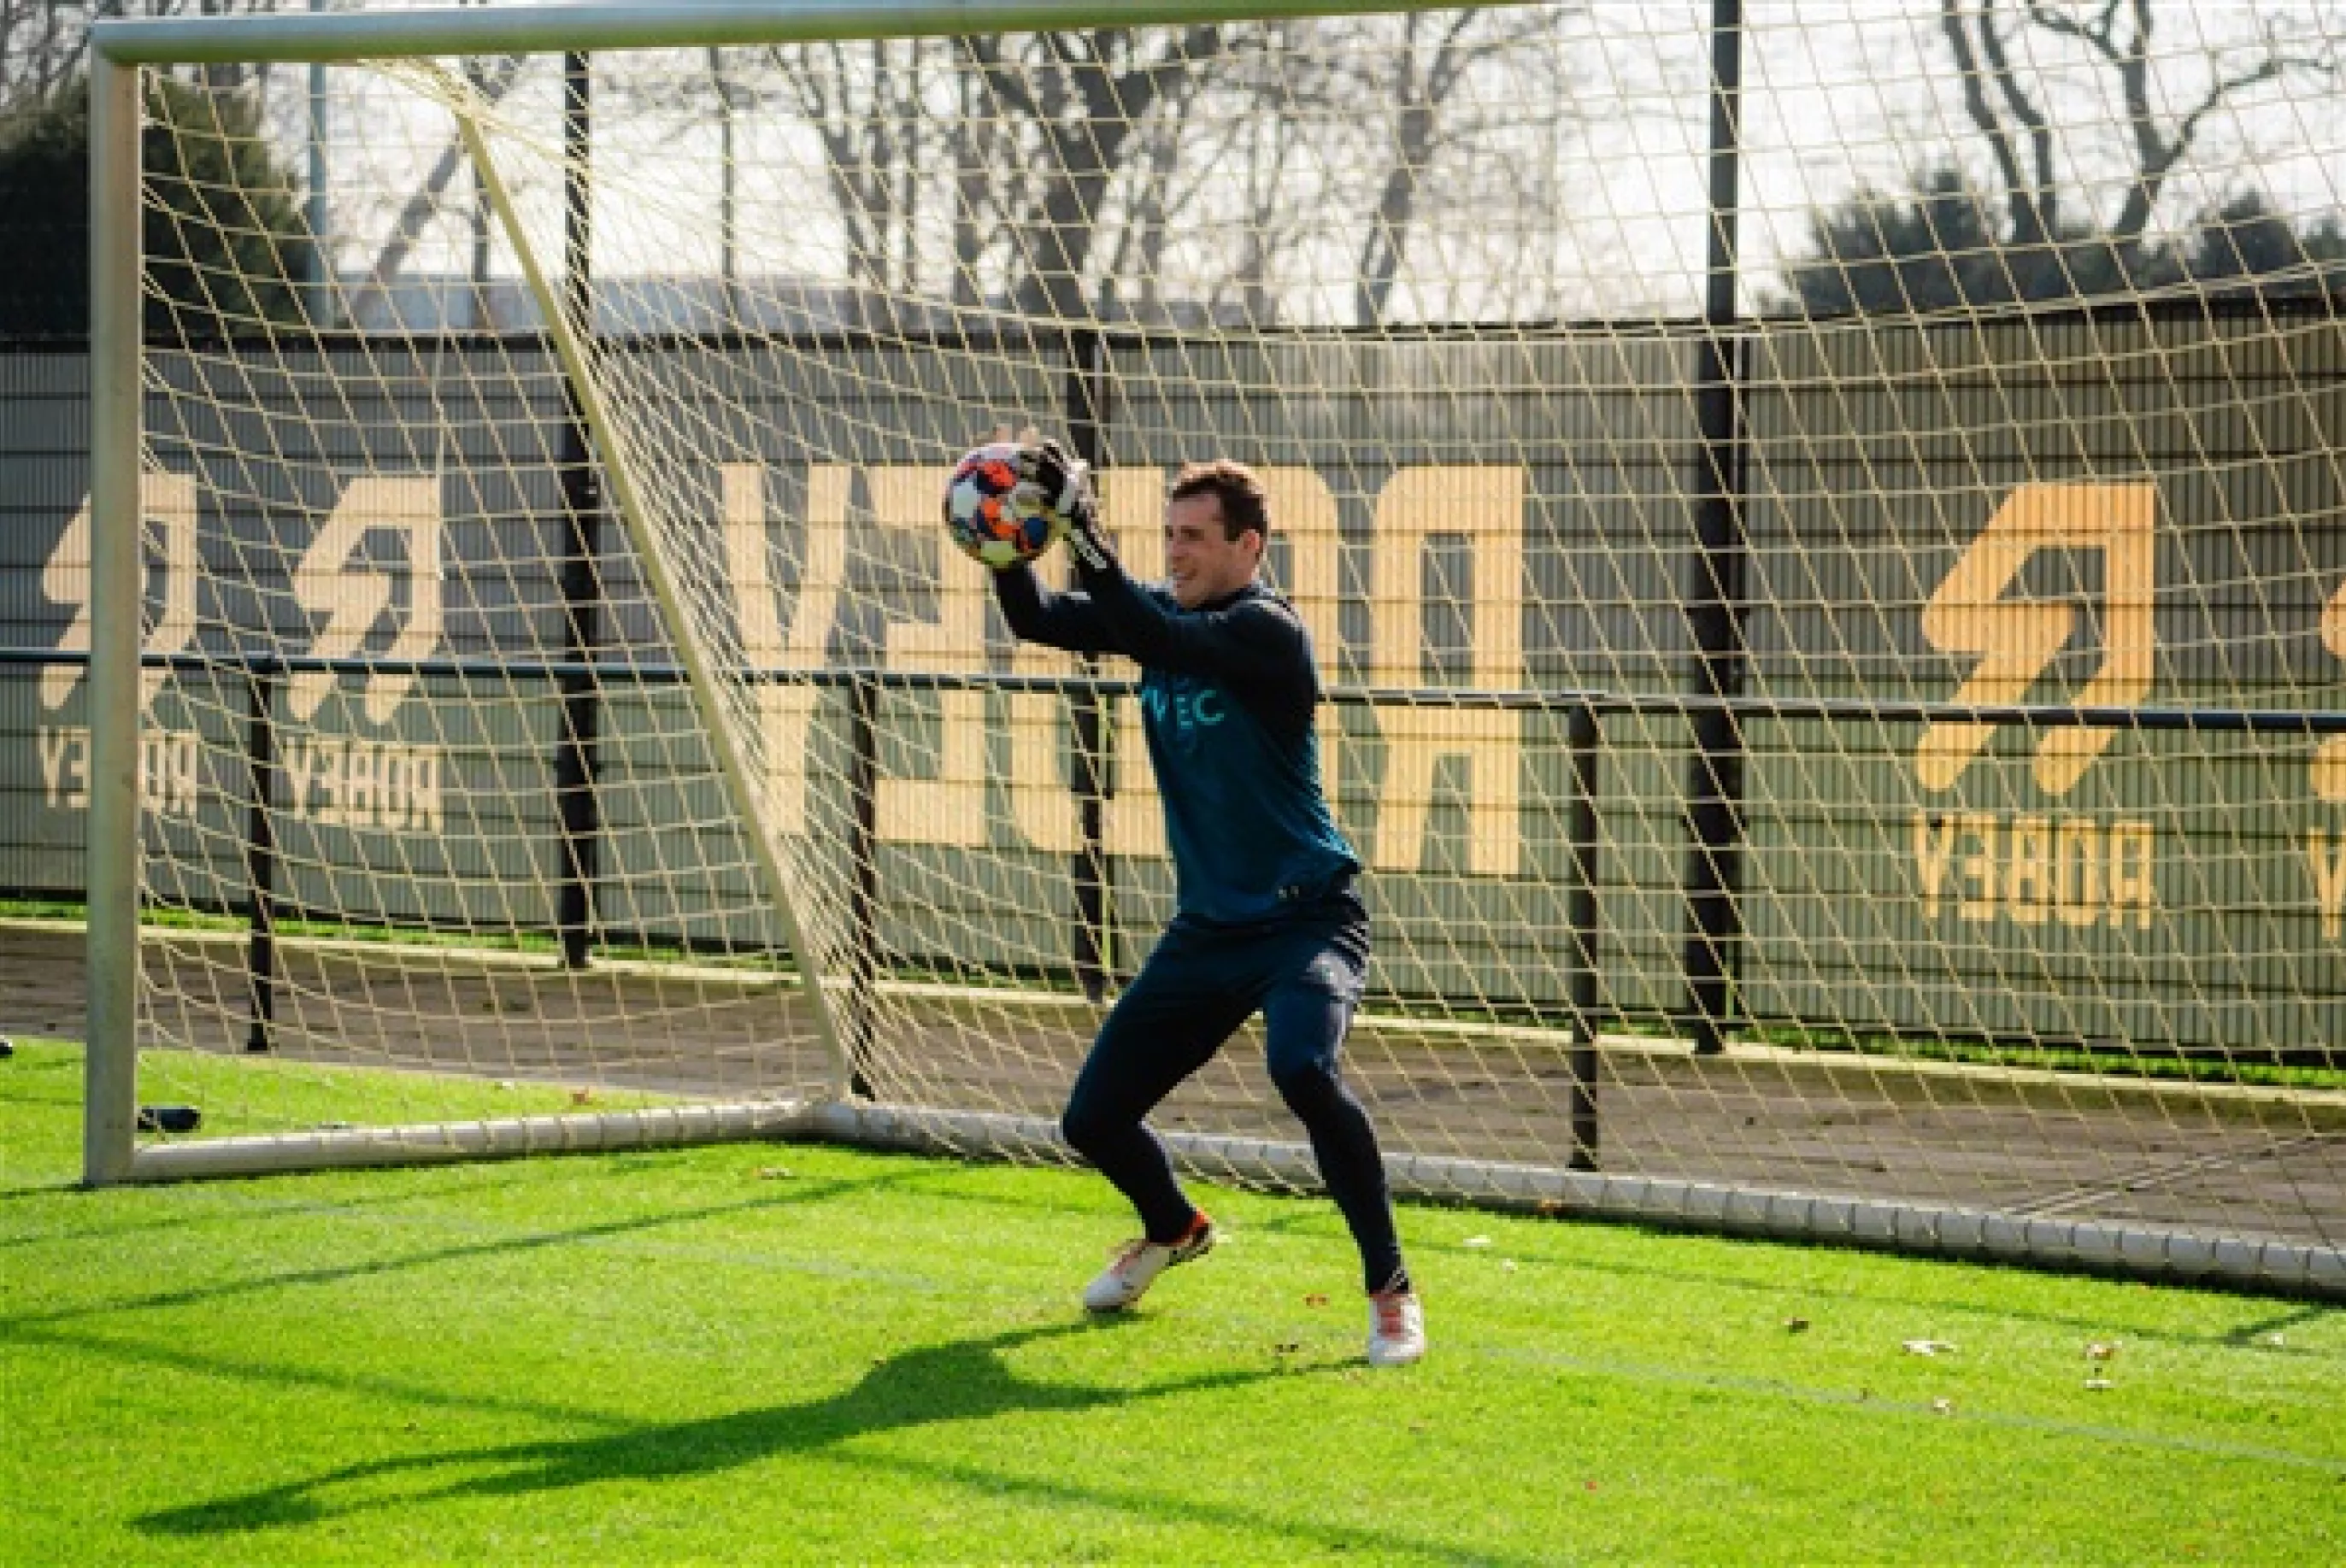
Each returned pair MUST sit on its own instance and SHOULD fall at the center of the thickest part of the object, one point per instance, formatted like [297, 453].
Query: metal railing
[572, 913]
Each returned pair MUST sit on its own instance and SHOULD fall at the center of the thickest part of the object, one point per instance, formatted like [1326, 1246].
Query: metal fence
[1824, 880]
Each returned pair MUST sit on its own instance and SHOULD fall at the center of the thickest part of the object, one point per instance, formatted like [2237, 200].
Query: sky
[1839, 95]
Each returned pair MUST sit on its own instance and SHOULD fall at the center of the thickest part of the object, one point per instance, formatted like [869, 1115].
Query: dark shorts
[1304, 972]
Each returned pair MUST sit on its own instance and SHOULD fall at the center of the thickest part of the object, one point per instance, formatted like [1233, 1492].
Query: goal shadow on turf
[964, 1380]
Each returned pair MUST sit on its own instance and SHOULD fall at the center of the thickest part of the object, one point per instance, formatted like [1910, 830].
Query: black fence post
[1093, 948]
[581, 580]
[863, 882]
[1087, 742]
[1585, 914]
[260, 854]
[1715, 587]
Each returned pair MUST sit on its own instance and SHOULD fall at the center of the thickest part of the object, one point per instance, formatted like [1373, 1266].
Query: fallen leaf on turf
[1927, 1347]
[1315, 1300]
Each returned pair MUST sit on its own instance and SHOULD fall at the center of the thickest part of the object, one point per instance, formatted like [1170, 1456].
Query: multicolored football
[995, 510]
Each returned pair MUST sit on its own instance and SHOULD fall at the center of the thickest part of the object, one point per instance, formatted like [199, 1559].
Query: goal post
[544, 559]
[115, 832]
[121, 47]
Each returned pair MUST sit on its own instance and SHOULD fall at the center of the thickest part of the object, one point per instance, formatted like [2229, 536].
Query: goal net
[1833, 629]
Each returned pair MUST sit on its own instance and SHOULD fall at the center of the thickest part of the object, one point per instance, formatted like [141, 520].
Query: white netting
[1441, 276]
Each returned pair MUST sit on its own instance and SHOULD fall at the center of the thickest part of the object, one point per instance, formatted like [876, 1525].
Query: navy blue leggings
[1305, 974]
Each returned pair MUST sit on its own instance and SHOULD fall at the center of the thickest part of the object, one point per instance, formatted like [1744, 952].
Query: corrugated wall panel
[1876, 455]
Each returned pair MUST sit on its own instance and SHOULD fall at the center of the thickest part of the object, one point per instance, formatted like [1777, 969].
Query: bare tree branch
[424, 203]
[2032, 197]
[1423, 96]
[2119, 34]
[1956, 23]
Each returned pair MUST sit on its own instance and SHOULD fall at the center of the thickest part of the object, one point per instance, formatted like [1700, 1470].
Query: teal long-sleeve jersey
[1226, 696]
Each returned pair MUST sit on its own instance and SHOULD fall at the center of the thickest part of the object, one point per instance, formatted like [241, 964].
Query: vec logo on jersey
[1186, 706]
[344, 780]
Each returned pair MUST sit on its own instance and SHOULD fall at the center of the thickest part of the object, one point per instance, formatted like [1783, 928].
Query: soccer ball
[994, 509]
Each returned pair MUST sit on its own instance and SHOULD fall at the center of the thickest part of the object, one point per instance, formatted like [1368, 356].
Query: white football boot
[1396, 1329]
[1136, 1265]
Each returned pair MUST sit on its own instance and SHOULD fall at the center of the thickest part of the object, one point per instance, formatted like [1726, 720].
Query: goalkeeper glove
[1066, 482]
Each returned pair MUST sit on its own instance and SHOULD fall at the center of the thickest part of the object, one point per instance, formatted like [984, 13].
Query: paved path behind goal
[2217, 1158]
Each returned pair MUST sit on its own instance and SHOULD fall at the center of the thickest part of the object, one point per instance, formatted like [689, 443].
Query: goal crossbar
[299, 38]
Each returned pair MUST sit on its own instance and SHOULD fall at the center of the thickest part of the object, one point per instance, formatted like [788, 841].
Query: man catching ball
[1267, 918]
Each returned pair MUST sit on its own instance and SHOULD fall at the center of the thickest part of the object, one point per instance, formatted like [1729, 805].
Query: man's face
[1203, 563]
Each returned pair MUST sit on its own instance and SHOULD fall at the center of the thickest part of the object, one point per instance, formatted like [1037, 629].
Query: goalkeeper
[1267, 918]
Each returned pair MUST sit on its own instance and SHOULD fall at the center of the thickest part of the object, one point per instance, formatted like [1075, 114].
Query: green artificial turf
[764, 1354]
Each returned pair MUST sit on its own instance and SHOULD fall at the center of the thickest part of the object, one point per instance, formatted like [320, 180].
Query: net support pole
[110, 1067]
[261, 855]
[1093, 951]
[578, 800]
[1715, 587]
[858, 1026]
[627, 501]
[1585, 918]
[316, 213]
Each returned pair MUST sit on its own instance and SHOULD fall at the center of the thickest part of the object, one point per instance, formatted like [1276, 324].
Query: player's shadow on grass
[965, 1381]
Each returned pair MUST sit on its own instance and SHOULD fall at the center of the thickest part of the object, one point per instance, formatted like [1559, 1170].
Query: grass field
[754, 1354]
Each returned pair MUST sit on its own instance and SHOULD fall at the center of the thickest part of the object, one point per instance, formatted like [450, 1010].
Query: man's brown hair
[1245, 503]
